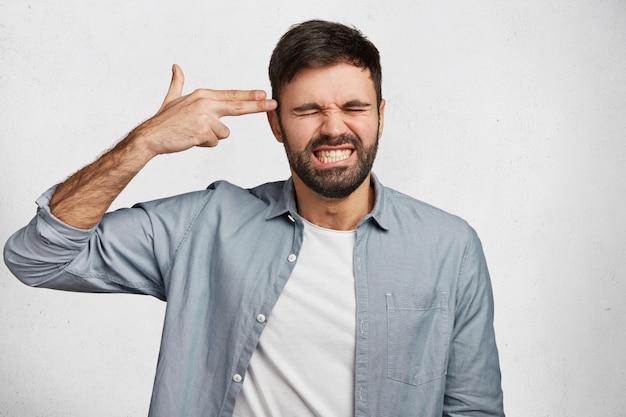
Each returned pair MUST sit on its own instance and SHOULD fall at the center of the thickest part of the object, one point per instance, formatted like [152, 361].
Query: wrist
[137, 144]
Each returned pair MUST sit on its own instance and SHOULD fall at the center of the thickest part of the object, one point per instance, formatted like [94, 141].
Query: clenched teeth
[334, 155]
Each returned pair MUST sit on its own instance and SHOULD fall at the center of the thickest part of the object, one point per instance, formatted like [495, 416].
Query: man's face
[330, 124]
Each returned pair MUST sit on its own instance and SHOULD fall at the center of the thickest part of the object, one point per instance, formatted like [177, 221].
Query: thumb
[176, 86]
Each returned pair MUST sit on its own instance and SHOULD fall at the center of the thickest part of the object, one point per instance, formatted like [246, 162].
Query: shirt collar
[380, 212]
[286, 203]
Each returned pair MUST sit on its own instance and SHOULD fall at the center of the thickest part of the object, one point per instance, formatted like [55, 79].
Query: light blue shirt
[425, 342]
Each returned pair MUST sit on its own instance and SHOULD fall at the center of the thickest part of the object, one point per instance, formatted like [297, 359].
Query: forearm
[84, 198]
[182, 122]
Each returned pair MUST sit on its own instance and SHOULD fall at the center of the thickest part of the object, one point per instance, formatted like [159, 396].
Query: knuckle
[222, 132]
[203, 102]
[211, 142]
[238, 106]
[203, 122]
[232, 94]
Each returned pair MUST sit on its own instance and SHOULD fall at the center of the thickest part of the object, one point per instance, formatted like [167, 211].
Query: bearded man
[327, 294]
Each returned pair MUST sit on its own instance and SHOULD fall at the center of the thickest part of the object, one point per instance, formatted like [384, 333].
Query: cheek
[300, 133]
[365, 129]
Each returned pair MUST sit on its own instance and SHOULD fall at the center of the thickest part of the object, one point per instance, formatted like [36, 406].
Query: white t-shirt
[304, 362]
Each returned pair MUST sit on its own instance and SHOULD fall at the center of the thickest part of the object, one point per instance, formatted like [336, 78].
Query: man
[324, 295]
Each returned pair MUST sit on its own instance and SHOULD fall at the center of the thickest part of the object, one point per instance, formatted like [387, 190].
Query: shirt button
[260, 318]
[292, 258]
[237, 378]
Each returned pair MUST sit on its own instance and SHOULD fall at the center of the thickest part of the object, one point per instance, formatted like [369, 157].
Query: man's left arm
[473, 386]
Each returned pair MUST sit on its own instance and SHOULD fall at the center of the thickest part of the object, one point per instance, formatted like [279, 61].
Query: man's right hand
[181, 123]
[192, 120]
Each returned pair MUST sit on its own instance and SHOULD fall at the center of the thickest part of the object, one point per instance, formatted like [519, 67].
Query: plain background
[511, 114]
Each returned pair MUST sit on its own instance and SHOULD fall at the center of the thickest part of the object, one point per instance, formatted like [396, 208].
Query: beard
[335, 182]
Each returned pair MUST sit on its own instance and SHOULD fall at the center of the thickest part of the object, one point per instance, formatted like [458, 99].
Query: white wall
[510, 114]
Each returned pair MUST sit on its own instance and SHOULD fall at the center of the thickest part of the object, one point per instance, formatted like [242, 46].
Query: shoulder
[406, 212]
[220, 195]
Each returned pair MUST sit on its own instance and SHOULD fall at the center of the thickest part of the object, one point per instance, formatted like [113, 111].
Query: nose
[333, 124]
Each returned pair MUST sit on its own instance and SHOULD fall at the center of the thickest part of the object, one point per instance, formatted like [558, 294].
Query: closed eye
[312, 109]
[308, 109]
[356, 106]
[308, 113]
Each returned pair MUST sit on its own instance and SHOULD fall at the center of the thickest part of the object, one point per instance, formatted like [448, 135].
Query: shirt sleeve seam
[466, 253]
[186, 233]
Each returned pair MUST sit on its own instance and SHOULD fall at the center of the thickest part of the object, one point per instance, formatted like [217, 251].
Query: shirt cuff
[53, 230]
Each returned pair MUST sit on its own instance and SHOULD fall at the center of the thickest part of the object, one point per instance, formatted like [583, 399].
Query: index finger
[239, 102]
[236, 95]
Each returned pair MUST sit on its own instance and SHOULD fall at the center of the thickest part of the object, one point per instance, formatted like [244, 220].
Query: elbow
[26, 272]
[25, 266]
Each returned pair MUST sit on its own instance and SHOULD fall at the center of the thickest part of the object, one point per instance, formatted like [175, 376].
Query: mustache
[326, 140]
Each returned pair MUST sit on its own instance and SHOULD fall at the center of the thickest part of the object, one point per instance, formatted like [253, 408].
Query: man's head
[318, 43]
[326, 78]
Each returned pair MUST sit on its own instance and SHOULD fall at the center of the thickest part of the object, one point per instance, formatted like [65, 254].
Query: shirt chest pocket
[418, 335]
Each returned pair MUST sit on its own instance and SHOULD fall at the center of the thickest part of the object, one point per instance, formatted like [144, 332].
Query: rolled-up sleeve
[117, 255]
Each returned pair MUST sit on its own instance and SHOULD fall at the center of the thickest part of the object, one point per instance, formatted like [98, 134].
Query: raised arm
[181, 123]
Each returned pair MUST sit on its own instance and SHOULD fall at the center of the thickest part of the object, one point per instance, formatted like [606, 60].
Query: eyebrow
[314, 106]
[356, 103]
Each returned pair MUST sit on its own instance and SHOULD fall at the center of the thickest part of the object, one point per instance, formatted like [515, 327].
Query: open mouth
[335, 155]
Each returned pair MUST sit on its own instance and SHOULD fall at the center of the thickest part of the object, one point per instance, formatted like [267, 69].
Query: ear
[272, 118]
[381, 117]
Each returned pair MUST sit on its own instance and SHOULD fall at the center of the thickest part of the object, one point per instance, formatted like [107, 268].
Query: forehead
[334, 82]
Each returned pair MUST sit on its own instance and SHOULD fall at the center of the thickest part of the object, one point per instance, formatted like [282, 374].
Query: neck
[338, 214]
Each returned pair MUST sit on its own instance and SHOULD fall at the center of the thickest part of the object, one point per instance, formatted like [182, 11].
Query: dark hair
[317, 43]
